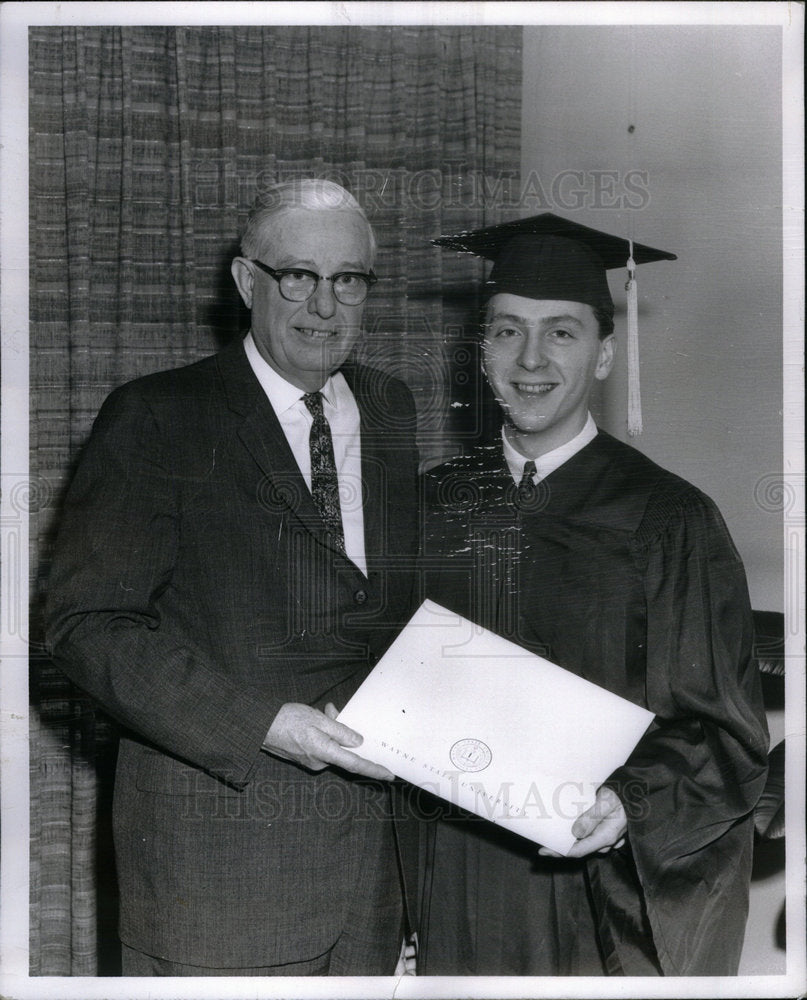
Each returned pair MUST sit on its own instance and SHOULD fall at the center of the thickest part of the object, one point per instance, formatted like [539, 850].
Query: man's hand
[600, 828]
[315, 739]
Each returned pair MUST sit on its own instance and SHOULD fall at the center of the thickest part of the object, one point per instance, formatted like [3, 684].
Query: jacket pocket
[160, 774]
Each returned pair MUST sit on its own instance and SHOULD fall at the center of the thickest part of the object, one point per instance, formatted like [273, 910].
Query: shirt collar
[280, 392]
[552, 459]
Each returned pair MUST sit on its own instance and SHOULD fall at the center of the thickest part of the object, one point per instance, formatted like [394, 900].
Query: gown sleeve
[691, 785]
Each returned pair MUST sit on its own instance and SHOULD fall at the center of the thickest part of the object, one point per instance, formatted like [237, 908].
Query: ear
[606, 358]
[243, 276]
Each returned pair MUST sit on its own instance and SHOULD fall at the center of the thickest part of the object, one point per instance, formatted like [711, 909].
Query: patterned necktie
[527, 490]
[324, 481]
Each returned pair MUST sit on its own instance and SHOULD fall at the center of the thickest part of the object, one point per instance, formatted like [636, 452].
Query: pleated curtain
[147, 147]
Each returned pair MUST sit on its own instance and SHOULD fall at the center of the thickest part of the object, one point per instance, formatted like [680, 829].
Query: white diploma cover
[492, 727]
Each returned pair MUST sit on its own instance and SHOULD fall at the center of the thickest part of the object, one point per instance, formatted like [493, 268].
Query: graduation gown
[626, 575]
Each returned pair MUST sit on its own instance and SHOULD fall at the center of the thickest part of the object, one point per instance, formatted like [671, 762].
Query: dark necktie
[324, 481]
[527, 490]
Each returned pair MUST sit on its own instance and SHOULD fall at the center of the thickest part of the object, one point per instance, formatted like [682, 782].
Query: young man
[574, 545]
[235, 554]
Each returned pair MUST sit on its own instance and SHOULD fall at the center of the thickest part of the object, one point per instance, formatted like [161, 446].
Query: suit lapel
[263, 437]
[373, 463]
[265, 441]
[374, 459]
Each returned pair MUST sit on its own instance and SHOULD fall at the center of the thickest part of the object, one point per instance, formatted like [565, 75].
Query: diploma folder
[492, 727]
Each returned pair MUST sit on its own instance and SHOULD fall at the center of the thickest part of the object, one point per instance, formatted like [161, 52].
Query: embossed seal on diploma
[470, 755]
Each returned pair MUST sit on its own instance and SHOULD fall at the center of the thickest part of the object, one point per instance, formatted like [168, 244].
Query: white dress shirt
[552, 460]
[342, 413]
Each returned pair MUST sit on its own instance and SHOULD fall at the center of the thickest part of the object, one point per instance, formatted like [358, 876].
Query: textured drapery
[147, 146]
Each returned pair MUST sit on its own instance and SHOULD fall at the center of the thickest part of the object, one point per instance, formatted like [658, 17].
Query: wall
[697, 109]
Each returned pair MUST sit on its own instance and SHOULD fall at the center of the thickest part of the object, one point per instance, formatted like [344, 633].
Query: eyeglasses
[296, 284]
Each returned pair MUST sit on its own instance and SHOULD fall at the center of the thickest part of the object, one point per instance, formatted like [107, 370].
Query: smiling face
[542, 358]
[305, 342]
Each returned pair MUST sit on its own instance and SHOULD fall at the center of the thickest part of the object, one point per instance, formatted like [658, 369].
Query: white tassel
[634, 388]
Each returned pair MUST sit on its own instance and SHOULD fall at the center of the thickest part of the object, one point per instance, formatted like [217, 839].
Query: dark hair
[605, 321]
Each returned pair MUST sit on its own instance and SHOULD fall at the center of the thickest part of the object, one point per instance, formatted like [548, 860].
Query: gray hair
[310, 193]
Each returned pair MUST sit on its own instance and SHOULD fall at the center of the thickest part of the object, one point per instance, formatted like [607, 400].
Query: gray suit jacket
[193, 592]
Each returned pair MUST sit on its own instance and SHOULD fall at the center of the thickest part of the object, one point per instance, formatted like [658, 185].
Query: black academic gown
[626, 575]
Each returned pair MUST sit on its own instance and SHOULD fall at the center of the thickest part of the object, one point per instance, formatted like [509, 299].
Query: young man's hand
[600, 828]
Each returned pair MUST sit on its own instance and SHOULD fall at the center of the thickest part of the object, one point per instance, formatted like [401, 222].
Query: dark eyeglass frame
[370, 278]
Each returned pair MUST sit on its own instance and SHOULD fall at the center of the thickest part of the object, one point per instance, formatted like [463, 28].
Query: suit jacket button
[360, 596]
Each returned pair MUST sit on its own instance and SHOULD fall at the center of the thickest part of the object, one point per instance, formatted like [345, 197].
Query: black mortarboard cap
[549, 257]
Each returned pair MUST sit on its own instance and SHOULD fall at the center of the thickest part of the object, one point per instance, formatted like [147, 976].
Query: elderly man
[235, 555]
[577, 546]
